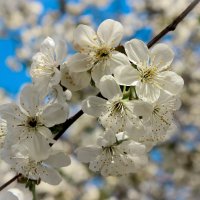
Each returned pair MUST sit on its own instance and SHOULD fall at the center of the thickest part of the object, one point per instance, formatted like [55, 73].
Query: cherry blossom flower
[31, 117]
[151, 74]
[97, 50]
[160, 117]
[114, 113]
[156, 122]
[46, 63]
[36, 160]
[113, 157]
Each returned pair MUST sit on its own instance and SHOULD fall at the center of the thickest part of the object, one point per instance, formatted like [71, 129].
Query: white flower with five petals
[113, 157]
[159, 117]
[156, 120]
[97, 50]
[115, 113]
[32, 117]
[151, 74]
[36, 160]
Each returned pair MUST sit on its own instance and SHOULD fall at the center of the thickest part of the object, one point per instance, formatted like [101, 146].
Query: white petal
[17, 193]
[48, 48]
[49, 175]
[54, 114]
[108, 169]
[39, 61]
[107, 139]
[161, 121]
[118, 59]
[110, 32]
[46, 133]
[29, 99]
[151, 139]
[147, 92]
[12, 113]
[8, 196]
[74, 81]
[58, 160]
[170, 82]
[99, 71]
[170, 101]
[137, 51]
[85, 38]
[142, 109]
[126, 75]
[109, 87]
[60, 51]
[37, 147]
[79, 63]
[87, 154]
[98, 163]
[162, 56]
[94, 106]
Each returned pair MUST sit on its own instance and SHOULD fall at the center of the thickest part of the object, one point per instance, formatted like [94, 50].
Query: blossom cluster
[138, 95]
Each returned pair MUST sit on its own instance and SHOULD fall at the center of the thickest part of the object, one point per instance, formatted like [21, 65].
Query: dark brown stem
[68, 123]
[173, 25]
[10, 181]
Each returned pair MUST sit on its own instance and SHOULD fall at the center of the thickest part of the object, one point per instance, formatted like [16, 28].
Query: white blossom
[152, 73]
[155, 122]
[46, 63]
[113, 157]
[97, 50]
[31, 117]
[36, 160]
[160, 117]
[114, 113]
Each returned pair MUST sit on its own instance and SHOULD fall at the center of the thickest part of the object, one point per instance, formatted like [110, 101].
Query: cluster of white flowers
[139, 94]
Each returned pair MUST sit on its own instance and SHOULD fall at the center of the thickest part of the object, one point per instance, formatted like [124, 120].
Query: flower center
[102, 53]
[147, 74]
[118, 107]
[32, 122]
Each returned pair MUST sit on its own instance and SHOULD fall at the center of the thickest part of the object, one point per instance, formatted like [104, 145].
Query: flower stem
[33, 191]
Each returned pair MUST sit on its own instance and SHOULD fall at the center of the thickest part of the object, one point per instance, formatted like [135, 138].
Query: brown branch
[71, 120]
[173, 25]
[10, 181]
[68, 123]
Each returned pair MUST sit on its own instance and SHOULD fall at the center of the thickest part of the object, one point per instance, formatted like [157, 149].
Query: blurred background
[173, 172]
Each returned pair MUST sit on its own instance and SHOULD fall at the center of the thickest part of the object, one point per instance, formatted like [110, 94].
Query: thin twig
[68, 123]
[173, 25]
[10, 181]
